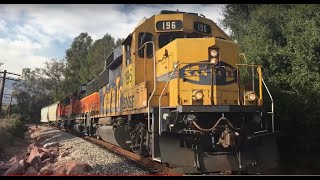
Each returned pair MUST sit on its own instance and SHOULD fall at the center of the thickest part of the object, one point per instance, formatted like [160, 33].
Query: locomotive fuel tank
[117, 136]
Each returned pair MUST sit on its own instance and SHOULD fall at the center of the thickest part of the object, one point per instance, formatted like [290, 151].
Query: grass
[10, 129]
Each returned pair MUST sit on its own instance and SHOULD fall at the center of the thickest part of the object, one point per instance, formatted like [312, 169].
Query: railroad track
[155, 167]
[136, 158]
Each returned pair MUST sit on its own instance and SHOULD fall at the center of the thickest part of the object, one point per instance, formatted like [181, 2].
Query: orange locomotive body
[89, 104]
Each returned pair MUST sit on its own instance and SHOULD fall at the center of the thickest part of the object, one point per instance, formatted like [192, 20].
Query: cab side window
[128, 55]
[164, 39]
[144, 37]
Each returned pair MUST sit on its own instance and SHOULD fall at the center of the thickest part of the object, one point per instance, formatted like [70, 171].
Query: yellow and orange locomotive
[175, 91]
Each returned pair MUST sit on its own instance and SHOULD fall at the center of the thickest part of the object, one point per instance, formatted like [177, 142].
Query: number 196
[169, 25]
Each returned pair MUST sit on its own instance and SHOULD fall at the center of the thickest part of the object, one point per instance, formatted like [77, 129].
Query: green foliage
[285, 39]
[53, 72]
[32, 93]
[40, 87]
[99, 51]
[77, 70]
[11, 129]
[85, 59]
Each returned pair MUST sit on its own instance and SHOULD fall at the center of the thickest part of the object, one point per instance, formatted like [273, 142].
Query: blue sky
[31, 34]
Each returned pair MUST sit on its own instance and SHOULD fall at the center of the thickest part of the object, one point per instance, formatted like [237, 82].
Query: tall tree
[285, 39]
[77, 70]
[54, 70]
[98, 53]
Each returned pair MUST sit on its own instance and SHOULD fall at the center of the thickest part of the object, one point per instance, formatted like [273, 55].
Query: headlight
[214, 61]
[252, 96]
[165, 116]
[214, 52]
[197, 95]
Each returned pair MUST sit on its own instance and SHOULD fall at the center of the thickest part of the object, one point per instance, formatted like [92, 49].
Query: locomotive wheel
[138, 141]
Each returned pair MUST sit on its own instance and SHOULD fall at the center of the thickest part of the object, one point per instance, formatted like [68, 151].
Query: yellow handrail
[260, 83]
[259, 71]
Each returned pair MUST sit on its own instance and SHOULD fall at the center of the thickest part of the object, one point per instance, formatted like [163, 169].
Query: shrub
[10, 129]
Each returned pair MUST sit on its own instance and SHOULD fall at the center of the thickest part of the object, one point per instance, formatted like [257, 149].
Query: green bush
[10, 129]
[285, 40]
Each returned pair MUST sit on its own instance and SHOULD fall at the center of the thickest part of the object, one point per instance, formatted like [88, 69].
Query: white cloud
[3, 25]
[18, 54]
[27, 29]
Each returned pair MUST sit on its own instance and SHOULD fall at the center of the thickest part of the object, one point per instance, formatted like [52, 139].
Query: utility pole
[4, 78]
[2, 88]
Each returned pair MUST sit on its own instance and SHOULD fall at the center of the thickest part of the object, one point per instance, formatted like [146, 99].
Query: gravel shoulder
[50, 151]
[79, 150]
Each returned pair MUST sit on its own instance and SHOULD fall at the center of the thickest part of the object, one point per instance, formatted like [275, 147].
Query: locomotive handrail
[259, 77]
[261, 81]
[154, 78]
[272, 105]
[164, 88]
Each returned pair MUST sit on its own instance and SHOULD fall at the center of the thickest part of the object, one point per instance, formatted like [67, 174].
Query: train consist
[175, 91]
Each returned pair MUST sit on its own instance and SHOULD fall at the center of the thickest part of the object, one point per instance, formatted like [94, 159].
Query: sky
[31, 34]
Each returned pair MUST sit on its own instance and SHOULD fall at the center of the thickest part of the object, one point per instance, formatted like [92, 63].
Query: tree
[285, 39]
[32, 93]
[54, 70]
[38, 88]
[119, 41]
[58, 79]
[98, 53]
[77, 71]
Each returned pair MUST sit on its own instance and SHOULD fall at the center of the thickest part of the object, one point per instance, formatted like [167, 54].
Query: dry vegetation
[10, 130]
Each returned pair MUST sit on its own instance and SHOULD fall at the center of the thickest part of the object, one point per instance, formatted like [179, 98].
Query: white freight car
[53, 112]
[44, 115]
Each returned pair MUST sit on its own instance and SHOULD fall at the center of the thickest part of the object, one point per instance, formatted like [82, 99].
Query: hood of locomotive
[199, 79]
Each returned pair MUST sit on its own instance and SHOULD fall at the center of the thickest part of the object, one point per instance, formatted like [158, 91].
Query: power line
[11, 73]
[12, 79]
